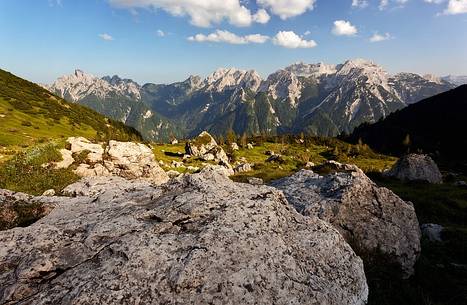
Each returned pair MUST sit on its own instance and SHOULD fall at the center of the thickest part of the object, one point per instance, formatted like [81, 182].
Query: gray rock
[234, 146]
[80, 144]
[432, 231]
[372, 219]
[249, 146]
[416, 167]
[243, 167]
[460, 183]
[49, 193]
[201, 239]
[205, 147]
[255, 181]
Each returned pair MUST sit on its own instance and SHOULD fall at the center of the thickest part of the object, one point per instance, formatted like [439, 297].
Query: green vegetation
[30, 115]
[441, 271]
[25, 172]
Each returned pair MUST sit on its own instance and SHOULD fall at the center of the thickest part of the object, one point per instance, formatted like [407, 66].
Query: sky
[163, 41]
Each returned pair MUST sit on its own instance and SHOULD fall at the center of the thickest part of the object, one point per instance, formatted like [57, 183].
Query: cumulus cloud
[456, 7]
[379, 37]
[202, 13]
[160, 33]
[383, 4]
[289, 39]
[261, 16]
[359, 3]
[287, 8]
[229, 37]
[106, 37]
[344, 28]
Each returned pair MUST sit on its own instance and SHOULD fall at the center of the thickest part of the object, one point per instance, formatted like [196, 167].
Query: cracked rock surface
[200, 239]
[373, 219]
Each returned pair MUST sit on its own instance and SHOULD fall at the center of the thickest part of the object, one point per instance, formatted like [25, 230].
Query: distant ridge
[436, 125]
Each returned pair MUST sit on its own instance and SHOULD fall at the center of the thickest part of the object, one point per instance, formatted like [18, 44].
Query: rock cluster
[416, 167]
[372, 219]
[125, 159]
[205, 148]
[199, 239]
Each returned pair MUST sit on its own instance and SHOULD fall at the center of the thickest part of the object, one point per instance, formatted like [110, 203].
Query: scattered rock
[49, 193]
[255, 181]
[269, 153]
[177, 164]
[372, 219]
[193, 168]
[416, 167]
[208, 168]
[201, 239]
[234, 146]
[460, 183]
[275, 158]
[309, 165]
[432, 231]
[249, 146]
[173, 174]
[243, 167]
[67, 159]
[174, 141]
[80, 144]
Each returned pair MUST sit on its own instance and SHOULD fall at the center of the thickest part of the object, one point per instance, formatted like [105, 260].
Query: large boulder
[125, 159]
[133, 160]
[373, 219]
[205, 147]
[200, 239]
[416, 167]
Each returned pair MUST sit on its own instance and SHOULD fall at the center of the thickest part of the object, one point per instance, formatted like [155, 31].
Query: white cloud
[359, 3]
[203, 13]
[378, 37]
[228, 37]
[456, 7]
[434, 1]
[344, 28]
[287, 8]
[261, 16]
[383, 4]
[106, 37]
[307, 33]
[289, 39]
[160, 33]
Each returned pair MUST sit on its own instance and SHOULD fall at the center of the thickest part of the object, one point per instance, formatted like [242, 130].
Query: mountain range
[317, 99]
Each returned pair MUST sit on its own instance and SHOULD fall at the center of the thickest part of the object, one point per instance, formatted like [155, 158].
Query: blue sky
[167, 40]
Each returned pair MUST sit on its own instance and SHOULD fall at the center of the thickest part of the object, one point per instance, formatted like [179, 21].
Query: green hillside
[30, 114]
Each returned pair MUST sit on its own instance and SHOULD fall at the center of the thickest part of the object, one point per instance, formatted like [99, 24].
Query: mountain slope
[435, 125]
[30, 114]
[119, 99]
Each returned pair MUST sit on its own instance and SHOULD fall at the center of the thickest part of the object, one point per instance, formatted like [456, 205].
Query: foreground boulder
[416, 167]
[200, 239]
[372, 219]
[125, 159]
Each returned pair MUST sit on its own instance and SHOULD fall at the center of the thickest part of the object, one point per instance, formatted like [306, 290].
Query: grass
[441, 271]
[30, 115]
[25, 172]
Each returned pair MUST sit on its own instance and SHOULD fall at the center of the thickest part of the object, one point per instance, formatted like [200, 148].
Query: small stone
[49, 193]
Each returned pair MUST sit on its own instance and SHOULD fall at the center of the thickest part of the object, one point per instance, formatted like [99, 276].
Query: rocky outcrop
[416, 167]
[372, 219]
[125, 159]
[200, 239]
[205, 148]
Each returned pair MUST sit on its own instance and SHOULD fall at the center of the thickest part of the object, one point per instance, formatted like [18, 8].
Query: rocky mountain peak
[231, 78]
[311, 70]
[283, 84]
